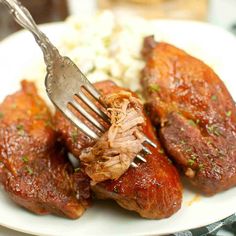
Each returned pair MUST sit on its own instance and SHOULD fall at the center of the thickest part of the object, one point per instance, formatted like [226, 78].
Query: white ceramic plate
[217, 48]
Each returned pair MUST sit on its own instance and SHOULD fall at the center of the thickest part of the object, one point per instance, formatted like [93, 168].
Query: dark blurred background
[219, 12]
[42, 11]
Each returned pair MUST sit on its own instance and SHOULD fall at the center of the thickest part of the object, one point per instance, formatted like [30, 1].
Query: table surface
[226, 19]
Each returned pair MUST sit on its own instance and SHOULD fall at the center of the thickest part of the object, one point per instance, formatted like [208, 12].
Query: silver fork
[64, 80]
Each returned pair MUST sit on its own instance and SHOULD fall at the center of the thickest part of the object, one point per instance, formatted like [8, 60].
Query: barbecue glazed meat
[196, 113]
[35, 171]
[115, 150]
[153, 189]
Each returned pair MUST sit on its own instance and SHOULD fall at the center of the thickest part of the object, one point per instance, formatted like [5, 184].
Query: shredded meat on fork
[113, 153]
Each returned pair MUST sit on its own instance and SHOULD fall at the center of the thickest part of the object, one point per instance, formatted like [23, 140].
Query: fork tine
[145, 149]
[89, 117]
[134, 165]
[93, 107]
[93, 91]
[84, 128]
[150, 142]
[141, 158]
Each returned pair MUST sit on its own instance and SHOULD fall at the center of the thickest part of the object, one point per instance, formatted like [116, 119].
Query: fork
[64, 80]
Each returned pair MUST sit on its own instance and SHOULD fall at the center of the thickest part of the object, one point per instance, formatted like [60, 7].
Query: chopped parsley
[213, 97]
[213, 129]
[154, 88]
[192, 123]
[209, 142]
[30, 171]
[38, 117]
[193, 156]
[191, 162]
[228, 113]
[1, 115]
[49, 124]
[25, 159]
[188, 150]
[201, 167]
[20, 129]
[182, 142]
[74, 136]
[161, 151]
[77, 169]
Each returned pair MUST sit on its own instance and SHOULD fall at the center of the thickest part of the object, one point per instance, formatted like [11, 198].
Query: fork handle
[22, 16]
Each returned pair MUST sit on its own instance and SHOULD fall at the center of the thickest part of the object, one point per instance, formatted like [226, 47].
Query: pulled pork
[113, 153]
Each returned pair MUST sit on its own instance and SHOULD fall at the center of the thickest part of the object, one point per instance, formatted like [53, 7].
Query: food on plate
[195, 113]
[153, 189]
[112, 154]
[108, 158]
[34, 169]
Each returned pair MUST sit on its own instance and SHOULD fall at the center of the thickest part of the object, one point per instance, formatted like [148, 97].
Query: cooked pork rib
[35, 171]
[153, 189]
[114, 152]
[196, 113]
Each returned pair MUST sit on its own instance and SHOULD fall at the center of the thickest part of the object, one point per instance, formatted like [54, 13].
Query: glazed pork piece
[34, 170]
[153, 189]
[116, 149]
[195, 113]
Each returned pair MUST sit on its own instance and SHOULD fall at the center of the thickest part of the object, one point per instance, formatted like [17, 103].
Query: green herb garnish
[74, 136]
[20, 129]
[1, 115]
[161, 151]
[201, 167]
[193, 156]
[214, 129]
[154, 88]
[209, 142]
[192, 123]
[77, 169]
[25, 159]
[217, 132]
[213, 97]
[49, 124]
[182, 142]
[188, 150]
[30, 171]
[228, 113]
[191, 162]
